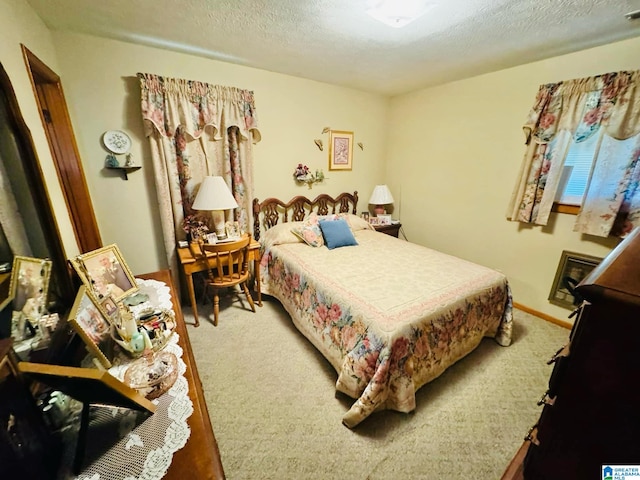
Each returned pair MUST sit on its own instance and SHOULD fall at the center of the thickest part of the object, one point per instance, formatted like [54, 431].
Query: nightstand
[393, 229]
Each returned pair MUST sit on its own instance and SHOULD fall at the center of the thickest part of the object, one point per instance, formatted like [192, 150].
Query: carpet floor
[276, 415]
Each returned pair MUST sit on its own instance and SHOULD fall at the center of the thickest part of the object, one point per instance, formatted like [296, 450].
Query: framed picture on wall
[572, 268]
[340, 150]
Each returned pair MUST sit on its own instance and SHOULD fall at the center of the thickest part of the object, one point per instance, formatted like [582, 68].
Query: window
[577, 168]
[601, 181]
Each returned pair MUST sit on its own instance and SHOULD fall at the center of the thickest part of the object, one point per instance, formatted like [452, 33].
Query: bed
[389, 315]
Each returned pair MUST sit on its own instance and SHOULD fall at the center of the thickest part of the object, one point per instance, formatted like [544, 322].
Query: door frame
[54, 114]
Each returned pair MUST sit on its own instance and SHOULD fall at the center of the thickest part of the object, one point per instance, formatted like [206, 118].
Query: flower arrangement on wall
[302, 174]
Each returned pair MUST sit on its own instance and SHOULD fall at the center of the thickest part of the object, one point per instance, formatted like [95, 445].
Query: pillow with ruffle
[309, 232]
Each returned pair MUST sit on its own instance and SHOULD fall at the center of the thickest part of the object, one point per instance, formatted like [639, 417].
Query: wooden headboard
[272, 211]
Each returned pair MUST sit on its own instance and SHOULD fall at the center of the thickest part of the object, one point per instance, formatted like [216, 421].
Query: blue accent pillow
[337, 233]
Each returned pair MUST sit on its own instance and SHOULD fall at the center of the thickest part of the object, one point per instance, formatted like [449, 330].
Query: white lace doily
[131, 445]
[159, 295]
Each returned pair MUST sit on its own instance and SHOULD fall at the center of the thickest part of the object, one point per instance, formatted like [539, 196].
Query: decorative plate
[116, 141]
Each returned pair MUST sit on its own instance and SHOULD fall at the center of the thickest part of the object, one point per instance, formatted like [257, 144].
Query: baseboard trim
[543, 316]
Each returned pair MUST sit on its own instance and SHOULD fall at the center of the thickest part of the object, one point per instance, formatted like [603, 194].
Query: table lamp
[214, 195]
[380, 197]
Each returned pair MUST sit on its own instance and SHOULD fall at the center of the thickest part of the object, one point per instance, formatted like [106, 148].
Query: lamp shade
[214, 194]
[381, 195]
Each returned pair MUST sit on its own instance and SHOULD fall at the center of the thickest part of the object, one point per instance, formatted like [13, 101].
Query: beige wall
[103, 94]
[468, 129]
[456, 153]
[19, 24]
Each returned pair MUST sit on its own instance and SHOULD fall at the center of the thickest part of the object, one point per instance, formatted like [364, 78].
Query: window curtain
[573, 111]
[195, 130]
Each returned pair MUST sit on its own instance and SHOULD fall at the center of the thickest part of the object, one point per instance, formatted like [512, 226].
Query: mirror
[27, 223]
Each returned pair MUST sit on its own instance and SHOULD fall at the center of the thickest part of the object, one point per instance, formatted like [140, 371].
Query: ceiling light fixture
[397, 13]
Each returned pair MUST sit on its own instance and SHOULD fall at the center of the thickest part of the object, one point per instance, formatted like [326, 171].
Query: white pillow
[280, 234]
[358, 223]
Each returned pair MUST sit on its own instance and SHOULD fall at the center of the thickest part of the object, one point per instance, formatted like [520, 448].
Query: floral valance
[565, 114]
[168, 103]
[582, 106]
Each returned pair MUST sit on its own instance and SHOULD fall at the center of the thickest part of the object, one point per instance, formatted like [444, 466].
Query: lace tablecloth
[126, 444]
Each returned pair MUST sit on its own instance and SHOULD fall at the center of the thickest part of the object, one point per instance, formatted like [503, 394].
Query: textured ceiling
[335, 41]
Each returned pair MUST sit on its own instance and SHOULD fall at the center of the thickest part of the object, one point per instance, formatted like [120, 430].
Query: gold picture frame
[29, 281]
[105, 273]
[88, 320]
[88, 385]
[340, 150]
[91, 387]
[572, 268]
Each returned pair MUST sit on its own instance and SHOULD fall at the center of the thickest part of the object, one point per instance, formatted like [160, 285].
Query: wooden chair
[228, 266]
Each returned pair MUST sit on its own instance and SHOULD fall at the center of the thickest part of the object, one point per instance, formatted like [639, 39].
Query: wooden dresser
[28, 450]
[591, 411]
[200, 457]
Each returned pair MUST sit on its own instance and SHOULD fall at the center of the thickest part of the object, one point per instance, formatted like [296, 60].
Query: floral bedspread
[389, 315]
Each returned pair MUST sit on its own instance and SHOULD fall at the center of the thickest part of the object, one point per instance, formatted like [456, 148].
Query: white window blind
[577, 167]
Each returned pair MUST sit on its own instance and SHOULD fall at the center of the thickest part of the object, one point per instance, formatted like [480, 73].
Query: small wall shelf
[126, 170]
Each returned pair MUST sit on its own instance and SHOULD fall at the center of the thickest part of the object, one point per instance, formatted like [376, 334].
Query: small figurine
[112, 161]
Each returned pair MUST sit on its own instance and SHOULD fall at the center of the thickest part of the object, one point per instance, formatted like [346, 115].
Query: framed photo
[29, 285]
[573, 267]
[88, 321]
[105, 273]
[365, 216]
[109, 307]
[233, 230]
[341, 150]
[384, 219]
[212, 238]
[374, 221]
